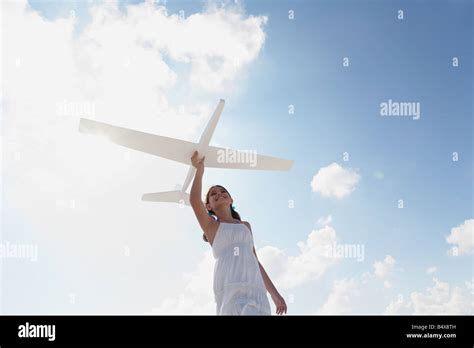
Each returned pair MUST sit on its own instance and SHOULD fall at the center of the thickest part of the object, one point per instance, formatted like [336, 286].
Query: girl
[240, 281]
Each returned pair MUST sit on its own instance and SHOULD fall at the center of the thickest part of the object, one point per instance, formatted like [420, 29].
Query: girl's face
[218, 196]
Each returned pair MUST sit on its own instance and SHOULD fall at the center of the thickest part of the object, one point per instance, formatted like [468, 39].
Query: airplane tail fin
[168, 196]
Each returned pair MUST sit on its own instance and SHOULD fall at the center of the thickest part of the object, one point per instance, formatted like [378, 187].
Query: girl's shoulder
[246, 223]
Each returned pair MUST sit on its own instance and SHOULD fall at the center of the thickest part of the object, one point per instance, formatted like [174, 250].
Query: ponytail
[234, 213]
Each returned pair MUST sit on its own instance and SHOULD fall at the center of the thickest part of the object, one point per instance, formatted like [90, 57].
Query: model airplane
[180, 151]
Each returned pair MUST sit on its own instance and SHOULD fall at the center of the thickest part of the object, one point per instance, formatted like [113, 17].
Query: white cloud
[341, 300]
[197, 297]
[357, 295]
[441, 298]
[383, 268]
[285, 272]
[462, 237]
[311, 262]
[217, 43]
[470, 287]
[81, 196]
[397, 306]
[431, 270]
[325, 220]
[335, 181]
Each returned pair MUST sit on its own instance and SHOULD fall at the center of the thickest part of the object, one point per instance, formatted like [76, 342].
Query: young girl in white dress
[240, 281]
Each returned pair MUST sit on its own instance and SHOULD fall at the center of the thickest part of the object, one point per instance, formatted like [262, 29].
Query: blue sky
[337, 110]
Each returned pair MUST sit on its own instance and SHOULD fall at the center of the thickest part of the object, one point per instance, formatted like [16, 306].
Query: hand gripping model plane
[179, 151]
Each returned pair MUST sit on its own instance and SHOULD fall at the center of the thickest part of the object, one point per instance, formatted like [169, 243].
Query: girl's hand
[197, 163]
[279, 303]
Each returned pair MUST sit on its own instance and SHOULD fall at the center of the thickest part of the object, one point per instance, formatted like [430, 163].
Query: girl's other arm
[276, 297]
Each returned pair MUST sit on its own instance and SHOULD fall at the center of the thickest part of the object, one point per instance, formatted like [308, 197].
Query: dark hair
[233, 212]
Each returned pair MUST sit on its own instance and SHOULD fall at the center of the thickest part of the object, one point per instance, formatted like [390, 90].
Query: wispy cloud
[356, 294]
[462, 237]
[124, 68]
[440, 298]
[325, 220]
[311, 262]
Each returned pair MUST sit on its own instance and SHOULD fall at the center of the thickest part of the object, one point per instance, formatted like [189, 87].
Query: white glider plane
[180, 151]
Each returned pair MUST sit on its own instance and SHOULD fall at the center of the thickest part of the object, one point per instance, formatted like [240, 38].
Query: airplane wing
[181, 150]
[168, 196]
[170, 148]
[217, 157]
[189, 177]
[211, 125]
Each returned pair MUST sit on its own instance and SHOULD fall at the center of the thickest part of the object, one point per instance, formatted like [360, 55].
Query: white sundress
[238, 284]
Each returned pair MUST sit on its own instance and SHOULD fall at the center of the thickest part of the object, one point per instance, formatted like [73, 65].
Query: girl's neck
[225, 215]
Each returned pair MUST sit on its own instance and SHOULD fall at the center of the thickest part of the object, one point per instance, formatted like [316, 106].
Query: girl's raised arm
[207, 223]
